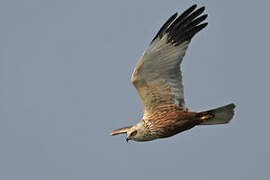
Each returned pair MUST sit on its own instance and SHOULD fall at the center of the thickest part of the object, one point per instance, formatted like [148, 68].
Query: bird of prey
[158, 81]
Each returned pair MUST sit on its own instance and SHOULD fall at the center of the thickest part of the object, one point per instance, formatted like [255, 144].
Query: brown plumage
[158, 80]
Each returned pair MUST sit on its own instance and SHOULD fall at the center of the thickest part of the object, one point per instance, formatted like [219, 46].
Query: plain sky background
[65, 85]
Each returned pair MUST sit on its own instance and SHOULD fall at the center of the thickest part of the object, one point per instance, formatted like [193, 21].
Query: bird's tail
[221, 115]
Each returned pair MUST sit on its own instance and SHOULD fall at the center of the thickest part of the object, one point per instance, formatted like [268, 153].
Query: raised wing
[157, 76]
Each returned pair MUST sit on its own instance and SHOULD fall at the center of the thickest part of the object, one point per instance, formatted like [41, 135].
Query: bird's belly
[177, 127]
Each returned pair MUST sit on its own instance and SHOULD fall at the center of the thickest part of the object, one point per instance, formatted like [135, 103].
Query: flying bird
[158, 80]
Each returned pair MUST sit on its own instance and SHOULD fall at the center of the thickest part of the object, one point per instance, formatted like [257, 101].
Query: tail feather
[221, 115]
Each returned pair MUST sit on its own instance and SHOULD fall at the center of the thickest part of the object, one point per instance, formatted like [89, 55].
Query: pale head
[135, 133]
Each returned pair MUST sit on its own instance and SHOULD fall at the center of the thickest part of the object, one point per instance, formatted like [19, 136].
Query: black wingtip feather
[191, 8]
[189, 34]
[165, 26]
[184, 27]
[181, 18]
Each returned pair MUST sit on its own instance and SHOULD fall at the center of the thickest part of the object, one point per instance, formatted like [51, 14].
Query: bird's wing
[157, 76]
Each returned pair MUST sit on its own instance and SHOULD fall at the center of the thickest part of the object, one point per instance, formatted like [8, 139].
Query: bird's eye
[133, 133]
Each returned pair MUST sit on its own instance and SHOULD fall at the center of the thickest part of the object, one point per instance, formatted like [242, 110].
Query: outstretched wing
[157, 76]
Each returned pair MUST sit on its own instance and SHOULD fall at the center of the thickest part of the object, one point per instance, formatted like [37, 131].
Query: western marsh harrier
[158, 81]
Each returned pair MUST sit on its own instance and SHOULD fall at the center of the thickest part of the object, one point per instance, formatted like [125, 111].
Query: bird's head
[135, 133]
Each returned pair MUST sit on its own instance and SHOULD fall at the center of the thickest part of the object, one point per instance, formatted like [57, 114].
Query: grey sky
[65, 76]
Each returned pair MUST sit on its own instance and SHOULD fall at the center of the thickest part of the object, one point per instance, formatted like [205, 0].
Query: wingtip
[203, 8]
[203, 25]
[174, 15]
[200, 10]
[193, 6]
[191, 9]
